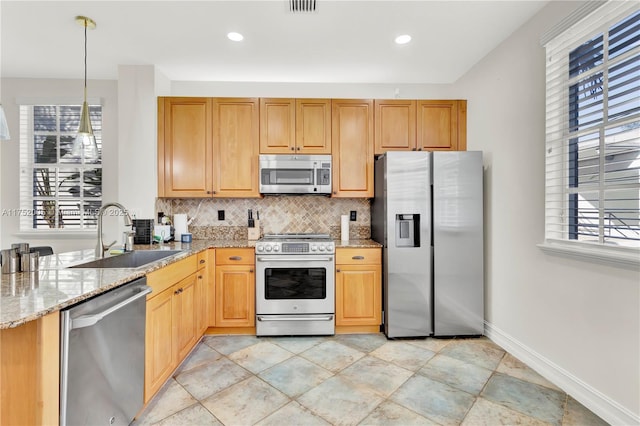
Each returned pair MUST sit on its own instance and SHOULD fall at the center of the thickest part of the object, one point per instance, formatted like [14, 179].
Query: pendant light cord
[85, 60]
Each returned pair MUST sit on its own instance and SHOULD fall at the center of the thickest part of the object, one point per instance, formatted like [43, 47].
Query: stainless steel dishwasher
[102, 357]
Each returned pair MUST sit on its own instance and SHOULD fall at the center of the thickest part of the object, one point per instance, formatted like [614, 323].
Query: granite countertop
[28, 296]
[357, 244]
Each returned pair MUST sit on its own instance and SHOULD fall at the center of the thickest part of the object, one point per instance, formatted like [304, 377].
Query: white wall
[577, 322]
[13, 89]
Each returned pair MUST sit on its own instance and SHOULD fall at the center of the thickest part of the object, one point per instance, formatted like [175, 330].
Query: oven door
[295, 284]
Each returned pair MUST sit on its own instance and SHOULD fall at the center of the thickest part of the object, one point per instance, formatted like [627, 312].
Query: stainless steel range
[295, 285]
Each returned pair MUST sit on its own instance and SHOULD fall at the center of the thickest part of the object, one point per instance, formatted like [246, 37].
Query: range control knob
[321, 248]
[314, 248]
[259, 248]
[268, 248]
[276, 248]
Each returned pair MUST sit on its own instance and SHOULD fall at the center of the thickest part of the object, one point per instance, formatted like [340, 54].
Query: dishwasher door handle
[89, 320]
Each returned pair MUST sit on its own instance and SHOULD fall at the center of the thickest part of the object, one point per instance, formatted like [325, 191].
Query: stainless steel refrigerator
[428, 214]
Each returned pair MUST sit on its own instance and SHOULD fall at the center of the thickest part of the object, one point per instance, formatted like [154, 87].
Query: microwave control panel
[324, 177]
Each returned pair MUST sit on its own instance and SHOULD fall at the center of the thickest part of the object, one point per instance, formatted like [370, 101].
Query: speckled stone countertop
[28, 296]
[357, 244]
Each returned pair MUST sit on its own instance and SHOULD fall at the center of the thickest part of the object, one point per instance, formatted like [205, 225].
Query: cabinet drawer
[239, 256]
[203, 258]
[358, 256]
[164, 278]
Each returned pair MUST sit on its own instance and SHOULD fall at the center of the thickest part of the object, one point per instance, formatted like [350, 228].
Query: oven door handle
[294, 259]
[294, 318]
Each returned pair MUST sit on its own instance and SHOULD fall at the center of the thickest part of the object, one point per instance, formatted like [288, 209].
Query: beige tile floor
[358, 380]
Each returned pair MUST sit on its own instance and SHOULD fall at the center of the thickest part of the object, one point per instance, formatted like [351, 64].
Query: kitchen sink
[133, 259]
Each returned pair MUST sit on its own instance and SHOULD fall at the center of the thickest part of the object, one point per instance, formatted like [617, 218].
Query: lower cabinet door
[186, 304]
[160, 357]
[235, 296]
[358, 295]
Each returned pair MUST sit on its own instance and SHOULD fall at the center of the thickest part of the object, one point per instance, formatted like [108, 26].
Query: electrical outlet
[220, 214]
[352, 215]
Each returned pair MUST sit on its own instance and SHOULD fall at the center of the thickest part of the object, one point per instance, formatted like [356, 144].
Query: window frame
[558, 232]
[27, 199]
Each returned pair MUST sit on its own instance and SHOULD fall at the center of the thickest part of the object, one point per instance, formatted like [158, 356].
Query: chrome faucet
[101, 248]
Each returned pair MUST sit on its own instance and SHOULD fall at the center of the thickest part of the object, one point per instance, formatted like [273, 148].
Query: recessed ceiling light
[403, 39]
[235, 36]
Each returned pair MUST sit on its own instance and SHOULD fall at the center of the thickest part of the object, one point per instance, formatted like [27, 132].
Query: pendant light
[85, 143]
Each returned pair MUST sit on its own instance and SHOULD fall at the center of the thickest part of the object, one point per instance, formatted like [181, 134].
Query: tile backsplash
[278, 214]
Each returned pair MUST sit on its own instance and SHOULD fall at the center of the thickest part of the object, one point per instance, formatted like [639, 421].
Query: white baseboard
[608, 409]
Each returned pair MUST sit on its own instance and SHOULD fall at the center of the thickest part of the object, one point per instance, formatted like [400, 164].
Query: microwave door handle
[314, 178]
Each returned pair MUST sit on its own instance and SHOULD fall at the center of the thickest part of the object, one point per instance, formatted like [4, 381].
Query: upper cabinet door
[236, 140]
[442, 125]
[277, 126]
[313, 126]
[352, 147]
[395, 123]
[300, 126]
[184, 147]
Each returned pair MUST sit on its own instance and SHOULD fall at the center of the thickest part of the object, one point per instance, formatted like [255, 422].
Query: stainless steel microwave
[295, 174]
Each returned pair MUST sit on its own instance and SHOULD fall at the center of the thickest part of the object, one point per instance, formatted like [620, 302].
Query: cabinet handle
[199, 277]
[178, 291]
[358, 257]
[235, 258]
[292, 148]
[337, 270]
[335, 193]
[413, 149]
[201, 261]
[298, 148]
[250, 270]
[419, 149]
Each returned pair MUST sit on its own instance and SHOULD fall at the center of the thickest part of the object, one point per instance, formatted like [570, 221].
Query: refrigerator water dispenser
[407, 230]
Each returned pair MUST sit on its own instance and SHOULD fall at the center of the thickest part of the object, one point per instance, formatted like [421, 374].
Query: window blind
[57, 191]
[592, 188]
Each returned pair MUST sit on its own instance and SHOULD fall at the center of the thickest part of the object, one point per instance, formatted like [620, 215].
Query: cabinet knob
[335, 193]
[250, 270]
[298, 148]
[201, 261]
[292, 148]
[419, 149]
[358, 257]
[235, 258]
[413, 149]
[199, 277]
[337, 270]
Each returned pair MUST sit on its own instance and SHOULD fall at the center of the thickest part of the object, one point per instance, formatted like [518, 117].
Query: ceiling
[342, 41]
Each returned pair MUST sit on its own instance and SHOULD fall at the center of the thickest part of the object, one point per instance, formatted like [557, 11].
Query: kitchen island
[30, 304]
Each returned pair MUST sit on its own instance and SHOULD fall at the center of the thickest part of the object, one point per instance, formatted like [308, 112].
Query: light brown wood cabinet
[235, 288]
[358, 290]
[30, 372]
[441, 125]
[185, 168]
[395, 122]
[208, 147]
[173, 311]
[235, 147]
[300, 126]
[203, 291]
[429, 125]
[352, 147]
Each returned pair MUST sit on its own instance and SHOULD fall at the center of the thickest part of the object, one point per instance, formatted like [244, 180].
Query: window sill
[611, 256]
[59, 235]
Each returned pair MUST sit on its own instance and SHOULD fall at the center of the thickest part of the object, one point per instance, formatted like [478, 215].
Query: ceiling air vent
[302, 5]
